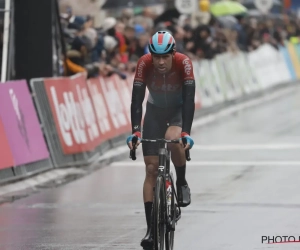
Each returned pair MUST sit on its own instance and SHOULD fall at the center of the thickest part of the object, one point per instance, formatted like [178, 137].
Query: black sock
[180, 173]
[148, 211]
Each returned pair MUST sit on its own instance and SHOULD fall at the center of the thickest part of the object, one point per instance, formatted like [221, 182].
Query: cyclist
[169, 77]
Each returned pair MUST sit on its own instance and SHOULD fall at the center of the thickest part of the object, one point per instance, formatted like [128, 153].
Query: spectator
[204, 44]
[129, 35]
[241, 32]
[123, 40]
[141, 47]
[178, 34]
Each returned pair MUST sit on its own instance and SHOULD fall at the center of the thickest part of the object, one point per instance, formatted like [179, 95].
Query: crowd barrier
[72, 121]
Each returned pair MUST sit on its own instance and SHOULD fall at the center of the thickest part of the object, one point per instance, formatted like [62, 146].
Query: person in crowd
[128, 34]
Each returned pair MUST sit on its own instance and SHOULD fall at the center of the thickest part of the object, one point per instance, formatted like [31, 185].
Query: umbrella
[227, 8]
[112, 4]
[250, 5]
[227, 21]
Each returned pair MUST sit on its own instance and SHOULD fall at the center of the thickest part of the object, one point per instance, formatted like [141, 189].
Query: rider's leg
[153, 128]
[179, 161]
[150, 180]
[177, 153]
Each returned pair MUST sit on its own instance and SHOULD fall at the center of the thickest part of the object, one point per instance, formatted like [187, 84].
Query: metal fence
[22, 171]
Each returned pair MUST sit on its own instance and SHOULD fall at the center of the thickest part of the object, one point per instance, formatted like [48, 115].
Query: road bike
[165, 212]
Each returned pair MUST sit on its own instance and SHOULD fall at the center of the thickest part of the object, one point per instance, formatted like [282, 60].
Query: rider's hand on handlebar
[189, 141]
[129, 139]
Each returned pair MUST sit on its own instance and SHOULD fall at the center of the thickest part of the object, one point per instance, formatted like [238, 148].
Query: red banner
[125, 97]
[6, 159]
[73, 113]
[116, 110]
[104, 120]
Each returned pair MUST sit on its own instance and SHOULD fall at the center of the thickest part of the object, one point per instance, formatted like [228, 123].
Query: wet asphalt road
[244, 177]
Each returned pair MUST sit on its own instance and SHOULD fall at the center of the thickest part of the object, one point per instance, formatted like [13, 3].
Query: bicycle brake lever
[132, 154]
[187, 152]
[187, 155]
[133, 151]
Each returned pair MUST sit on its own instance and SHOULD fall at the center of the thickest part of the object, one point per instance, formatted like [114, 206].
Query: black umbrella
[111, 4]
[167, 15]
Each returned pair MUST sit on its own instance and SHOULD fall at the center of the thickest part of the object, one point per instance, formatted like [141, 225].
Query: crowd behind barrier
[120, 41]
[72, 121]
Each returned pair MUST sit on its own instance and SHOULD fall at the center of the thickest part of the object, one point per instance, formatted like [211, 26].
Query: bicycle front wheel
[159, 214]
[171, 217]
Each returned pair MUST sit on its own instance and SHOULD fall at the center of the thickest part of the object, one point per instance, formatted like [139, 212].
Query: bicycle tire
[159, 228]
[171, 214]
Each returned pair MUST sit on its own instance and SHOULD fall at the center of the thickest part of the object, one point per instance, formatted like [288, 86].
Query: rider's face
[162, 63]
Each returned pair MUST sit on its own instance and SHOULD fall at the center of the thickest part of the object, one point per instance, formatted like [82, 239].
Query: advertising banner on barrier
[73, 113]
[294, 58]
[6, 159]
[288, 62]
[21, 123]
[115, 106]
[86, 110]
[104, 120]
[269, 66]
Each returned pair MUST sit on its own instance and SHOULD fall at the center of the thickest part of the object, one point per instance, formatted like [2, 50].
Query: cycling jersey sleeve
[188, 95]
[138, 95]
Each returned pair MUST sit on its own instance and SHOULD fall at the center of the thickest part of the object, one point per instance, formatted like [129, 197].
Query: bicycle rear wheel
[159, 229]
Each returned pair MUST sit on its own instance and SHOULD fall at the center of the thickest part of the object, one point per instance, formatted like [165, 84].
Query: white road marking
[214, 163]
[235, 147]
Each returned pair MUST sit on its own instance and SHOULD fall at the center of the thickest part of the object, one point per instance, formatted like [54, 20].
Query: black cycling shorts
[156, 122]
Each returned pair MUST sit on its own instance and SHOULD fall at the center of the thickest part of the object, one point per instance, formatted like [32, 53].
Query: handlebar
[134, 141]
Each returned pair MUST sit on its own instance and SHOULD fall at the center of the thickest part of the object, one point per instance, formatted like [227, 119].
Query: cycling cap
[161, 42]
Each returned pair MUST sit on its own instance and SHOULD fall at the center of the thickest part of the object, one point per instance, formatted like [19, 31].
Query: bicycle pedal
[170, 228]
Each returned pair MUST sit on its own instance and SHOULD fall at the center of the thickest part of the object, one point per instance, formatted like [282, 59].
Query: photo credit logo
[279, 239]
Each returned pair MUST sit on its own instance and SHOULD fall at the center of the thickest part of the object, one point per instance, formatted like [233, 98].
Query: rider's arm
[138, 95]
[188, 95]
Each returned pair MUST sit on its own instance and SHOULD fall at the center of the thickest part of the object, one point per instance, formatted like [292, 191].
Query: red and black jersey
[173, 89]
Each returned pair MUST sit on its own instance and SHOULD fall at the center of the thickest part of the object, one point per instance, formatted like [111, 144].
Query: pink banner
[21, 124]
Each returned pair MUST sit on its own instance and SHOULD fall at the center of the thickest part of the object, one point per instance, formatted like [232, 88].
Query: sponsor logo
[165, 87]
[75, 117]
[100, 110]
[138, 84]
[20, 116]
[115, 108]
[161, 168]
[189, 82]
[187, 66]
[140, 69]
